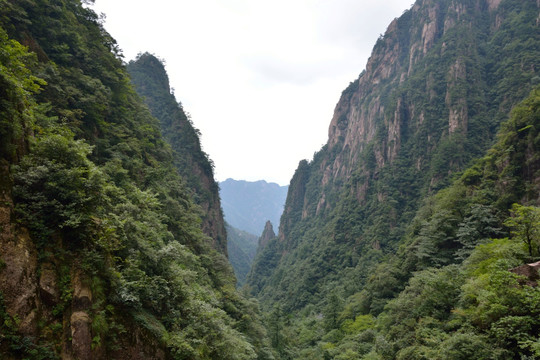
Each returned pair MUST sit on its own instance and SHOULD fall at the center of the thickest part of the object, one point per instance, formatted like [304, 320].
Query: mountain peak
[267, 235]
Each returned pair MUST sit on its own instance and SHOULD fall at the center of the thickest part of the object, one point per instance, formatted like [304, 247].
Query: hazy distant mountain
[248, 205]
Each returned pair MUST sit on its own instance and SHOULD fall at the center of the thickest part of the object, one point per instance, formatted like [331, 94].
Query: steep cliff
[102, 251]
[267, 235]
[433, 94]
[152, 83]
[377, 257]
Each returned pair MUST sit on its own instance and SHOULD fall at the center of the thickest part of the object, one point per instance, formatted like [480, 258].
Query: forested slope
[152, 83]
[366, 213]
[102, 254]
[435, 90]
[242, 247]
[464, 282]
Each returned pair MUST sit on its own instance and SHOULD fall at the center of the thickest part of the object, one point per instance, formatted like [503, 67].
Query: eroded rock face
[457, 105]
[80, 344]
[18, 264]
[530, 272]
[48, 285]
[18, 281]
[494, 4]
[267, 235]
[81, 334]
[138, 345]
[213, 223]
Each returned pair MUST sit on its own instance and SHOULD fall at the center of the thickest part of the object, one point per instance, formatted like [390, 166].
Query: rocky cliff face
[267, 235]
[434, 91]
[417, 88]
[380, 102]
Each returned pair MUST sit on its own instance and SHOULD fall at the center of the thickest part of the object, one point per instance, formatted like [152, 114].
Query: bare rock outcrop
[18, 263]
[530, 272]
[267, 235]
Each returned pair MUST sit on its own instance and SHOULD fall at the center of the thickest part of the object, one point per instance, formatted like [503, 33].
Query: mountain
[434, 92]
[152, 83]
[373, 208]
[248, 205]
[469, 259]
[414, 233]
[105, 248]
[267, 235]
[242, 247]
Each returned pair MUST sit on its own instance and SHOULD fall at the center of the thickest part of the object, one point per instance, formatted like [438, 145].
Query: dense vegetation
[448, 292]
[377, 258]
[152, 83]
[409, 243]
[242, 247]
[107, 212]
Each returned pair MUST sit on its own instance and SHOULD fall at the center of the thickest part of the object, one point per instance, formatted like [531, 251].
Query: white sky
[260, 78]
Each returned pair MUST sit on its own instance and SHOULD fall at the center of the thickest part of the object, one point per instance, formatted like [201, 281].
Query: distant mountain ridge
[247, 205]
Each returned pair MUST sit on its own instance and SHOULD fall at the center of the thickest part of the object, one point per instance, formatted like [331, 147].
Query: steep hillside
[152, 83]
[469, 291]
[102, 254]
[434, 92]
[248, 205]
[242, 247]
[464, 283]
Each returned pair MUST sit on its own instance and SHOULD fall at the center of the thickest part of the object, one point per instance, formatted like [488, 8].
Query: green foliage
[99, 191]
[150, 79]
[241, 249]
[360, 324]
[525, 224]
[14, 345]
[57, 187]
[17, 84]
[331, 312]
[488, 313]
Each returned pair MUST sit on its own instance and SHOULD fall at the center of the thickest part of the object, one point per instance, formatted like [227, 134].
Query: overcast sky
[260, 78]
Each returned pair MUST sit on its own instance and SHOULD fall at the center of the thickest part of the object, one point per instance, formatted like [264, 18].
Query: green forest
[414, 233]
[398, 236]
[117, 262]
[450, 291]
